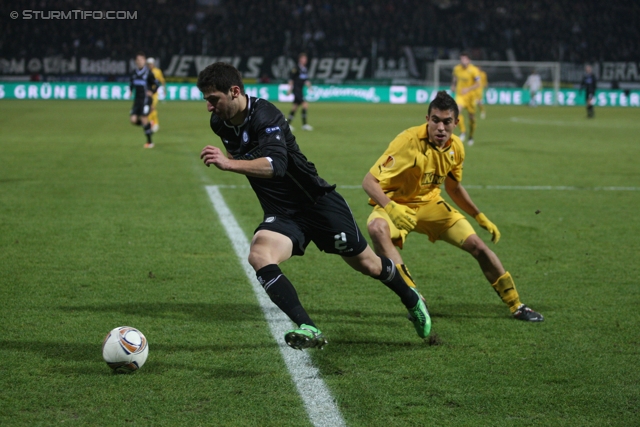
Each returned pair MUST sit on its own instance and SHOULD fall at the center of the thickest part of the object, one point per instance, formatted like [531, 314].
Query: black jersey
[141, 81]
[299, 75]
[266, 133]
[589, 84]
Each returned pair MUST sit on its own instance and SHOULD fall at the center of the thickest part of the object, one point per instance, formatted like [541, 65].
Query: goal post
[506, 74]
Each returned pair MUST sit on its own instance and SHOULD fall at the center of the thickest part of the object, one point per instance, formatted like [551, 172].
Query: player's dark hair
[301, 54]
[443, 102]
[220, 76]
[465, 53]
[140, 53]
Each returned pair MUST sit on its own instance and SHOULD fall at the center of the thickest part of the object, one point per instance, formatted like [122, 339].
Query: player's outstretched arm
[259, 168]
[460, 197]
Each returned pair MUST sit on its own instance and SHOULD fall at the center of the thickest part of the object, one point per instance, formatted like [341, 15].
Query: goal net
[504, 74]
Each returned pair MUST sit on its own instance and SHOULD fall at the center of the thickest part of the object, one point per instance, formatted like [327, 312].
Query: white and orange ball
[125, 349]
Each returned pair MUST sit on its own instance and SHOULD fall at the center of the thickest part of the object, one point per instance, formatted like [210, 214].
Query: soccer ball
[125, 349]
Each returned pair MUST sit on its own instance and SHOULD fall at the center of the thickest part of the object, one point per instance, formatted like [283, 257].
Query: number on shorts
[340, 241]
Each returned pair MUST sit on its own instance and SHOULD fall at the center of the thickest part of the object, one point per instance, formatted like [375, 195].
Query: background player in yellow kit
[484, 83]
[465, 82]
[404, 188]
[157, 72]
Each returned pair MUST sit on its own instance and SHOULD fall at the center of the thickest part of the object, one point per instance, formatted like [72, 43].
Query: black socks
[283, 294]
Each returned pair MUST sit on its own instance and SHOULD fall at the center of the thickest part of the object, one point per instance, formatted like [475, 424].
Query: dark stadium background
[396, 39]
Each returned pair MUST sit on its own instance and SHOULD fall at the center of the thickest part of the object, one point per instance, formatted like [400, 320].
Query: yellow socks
[404, 272]
[472, 127]
[506, 290]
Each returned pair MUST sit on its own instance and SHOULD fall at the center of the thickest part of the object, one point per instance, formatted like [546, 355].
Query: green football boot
[305, 336]
[419, 316]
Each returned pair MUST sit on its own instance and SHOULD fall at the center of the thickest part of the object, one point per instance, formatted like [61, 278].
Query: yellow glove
[402, 216]
[484, 222]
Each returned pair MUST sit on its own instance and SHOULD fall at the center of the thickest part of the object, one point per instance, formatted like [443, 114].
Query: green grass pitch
[97, 232]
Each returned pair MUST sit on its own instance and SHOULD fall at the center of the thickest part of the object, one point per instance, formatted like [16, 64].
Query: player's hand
[484, 222]
[214, 156]
[402, 216]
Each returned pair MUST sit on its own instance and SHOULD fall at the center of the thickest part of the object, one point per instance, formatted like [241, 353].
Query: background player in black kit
[589, 84]
[143, 85]
[299, 206]
[298, 78]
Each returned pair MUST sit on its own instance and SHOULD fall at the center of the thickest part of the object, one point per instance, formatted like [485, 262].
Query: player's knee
[133, 120]
[257, 260]
[378, 229]
[476, 247]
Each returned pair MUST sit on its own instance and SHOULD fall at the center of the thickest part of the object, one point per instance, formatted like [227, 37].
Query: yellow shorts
[437, 219]
[467, 101]
[154, 101]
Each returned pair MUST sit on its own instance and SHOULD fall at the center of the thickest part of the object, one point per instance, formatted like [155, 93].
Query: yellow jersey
[412, 169]
[157, 72]
[465, 77]
[483, 84]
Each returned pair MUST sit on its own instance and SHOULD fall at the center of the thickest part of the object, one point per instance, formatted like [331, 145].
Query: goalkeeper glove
[403, 217]
[484, 222]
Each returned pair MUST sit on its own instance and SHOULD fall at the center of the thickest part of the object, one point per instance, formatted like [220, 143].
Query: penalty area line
[320, 406]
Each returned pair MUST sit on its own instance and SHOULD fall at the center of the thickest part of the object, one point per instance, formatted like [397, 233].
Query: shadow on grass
[202, 312]
[436, 310]
[74, 354]
[469, 311]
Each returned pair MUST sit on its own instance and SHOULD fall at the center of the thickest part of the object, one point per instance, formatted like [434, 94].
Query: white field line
[322, 409]
[497, 187]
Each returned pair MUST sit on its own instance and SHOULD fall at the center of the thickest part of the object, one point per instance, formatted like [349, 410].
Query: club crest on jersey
[272, 129]
[245, 137]
[270, 219]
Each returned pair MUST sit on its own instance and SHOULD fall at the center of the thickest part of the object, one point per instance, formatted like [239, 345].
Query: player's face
[140, 61]
[303, 60]
[464, 60]
[441, 125]
[221, 104]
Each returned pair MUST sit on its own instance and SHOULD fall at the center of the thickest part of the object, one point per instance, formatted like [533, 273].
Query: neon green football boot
[305, 336]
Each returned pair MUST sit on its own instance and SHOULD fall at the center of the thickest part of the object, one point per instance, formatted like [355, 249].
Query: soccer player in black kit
[298, 78]
[299, 206]
[143, 85]
[589, 84]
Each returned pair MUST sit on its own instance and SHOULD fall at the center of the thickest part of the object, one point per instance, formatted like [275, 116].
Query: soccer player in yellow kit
[484, 83]
[157, 72]
[404, 188]
[465, 82]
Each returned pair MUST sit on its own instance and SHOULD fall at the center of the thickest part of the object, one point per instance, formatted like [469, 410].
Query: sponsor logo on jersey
[432, 178]
[272, 129]
[245, 137]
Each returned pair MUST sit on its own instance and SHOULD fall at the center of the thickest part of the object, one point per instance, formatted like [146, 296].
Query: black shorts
[329, 224]
[298, 97]
[141, 107]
